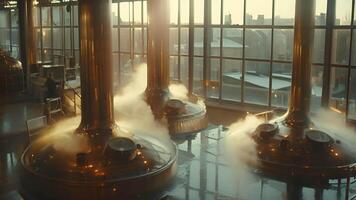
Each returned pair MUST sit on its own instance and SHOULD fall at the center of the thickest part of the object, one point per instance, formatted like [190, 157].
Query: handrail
[265, 114]
[75, 94]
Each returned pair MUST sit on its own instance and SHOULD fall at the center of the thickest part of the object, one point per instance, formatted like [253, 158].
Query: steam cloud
[240, 148]
[132, 111]
[334, 124]
[178, 91]
[63, 139]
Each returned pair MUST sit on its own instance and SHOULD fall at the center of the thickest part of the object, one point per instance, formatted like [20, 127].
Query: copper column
[27, 37]
[157, 55]
[96, 67]
[298, 113]
[31, 33]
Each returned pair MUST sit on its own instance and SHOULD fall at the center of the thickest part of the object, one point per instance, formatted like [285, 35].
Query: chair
[54, 106]
[34, 126]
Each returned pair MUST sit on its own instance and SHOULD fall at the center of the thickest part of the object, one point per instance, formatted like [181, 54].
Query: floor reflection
[203, 173]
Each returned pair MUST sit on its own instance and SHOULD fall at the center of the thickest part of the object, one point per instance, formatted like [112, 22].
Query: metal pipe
[298, 112]
[96, 66]
[157, 54]
[31, 34]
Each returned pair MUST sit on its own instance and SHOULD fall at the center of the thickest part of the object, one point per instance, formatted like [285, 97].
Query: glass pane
[76, 38]
[354, 15]
[116, 72]
[184, 70]
[75, 17]
[67, 38]
[198, 41]
[320, 12]
[319, 46]
[138, 40]
[4, 39]
[258, 12]
[173, 11]
[145, 40]
[283, 44]
[125, 40]
[138, 12]
[316, 87]
[256, 82]
[214, 80]
[115, 13]
[125, 13]
[57, 16]
[338, 85]
[145, 12]
[340, 47]
[38, 54]
[14, 18]
[46, 54]
[115, 39]
[215, 11]
[184, 41]
[343, 12]
[233, 12]
[15, 37]
[198, 11]
[15, 52]
[232, 42]
[353, 53]
[47, 38]
[36, 16]
[352, 95]
[173, 41]
[58, 39]
[67, 14]
[281, 84]
[46, 16]
[198, 76]
[4, 19]
[173, 68]
[125, 69]
[258, 43]
[38, 36]
[284, 12]
[231, 79]
[184, 11]
[76, 57]
[215, 41]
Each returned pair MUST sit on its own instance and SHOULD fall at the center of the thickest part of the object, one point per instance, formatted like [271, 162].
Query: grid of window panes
[179, 42]
[246, 49]
[57, 32]
[343, 59]
[9, 31]
[241, 49]
[129, 36]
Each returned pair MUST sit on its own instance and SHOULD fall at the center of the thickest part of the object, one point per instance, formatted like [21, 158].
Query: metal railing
[74, 97]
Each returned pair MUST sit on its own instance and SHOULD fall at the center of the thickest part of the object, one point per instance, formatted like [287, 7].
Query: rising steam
[178, 91]
[62, 136]
[132, 111]
[241, 149]
[334, 124]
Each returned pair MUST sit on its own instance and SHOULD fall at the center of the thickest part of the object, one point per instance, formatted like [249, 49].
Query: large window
[9, 31]
[241, 51]
[129, 35]
[230, 51]
[57, 31]
[343, 59]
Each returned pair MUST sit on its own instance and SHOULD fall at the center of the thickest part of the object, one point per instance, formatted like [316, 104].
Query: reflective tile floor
[203, 171]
